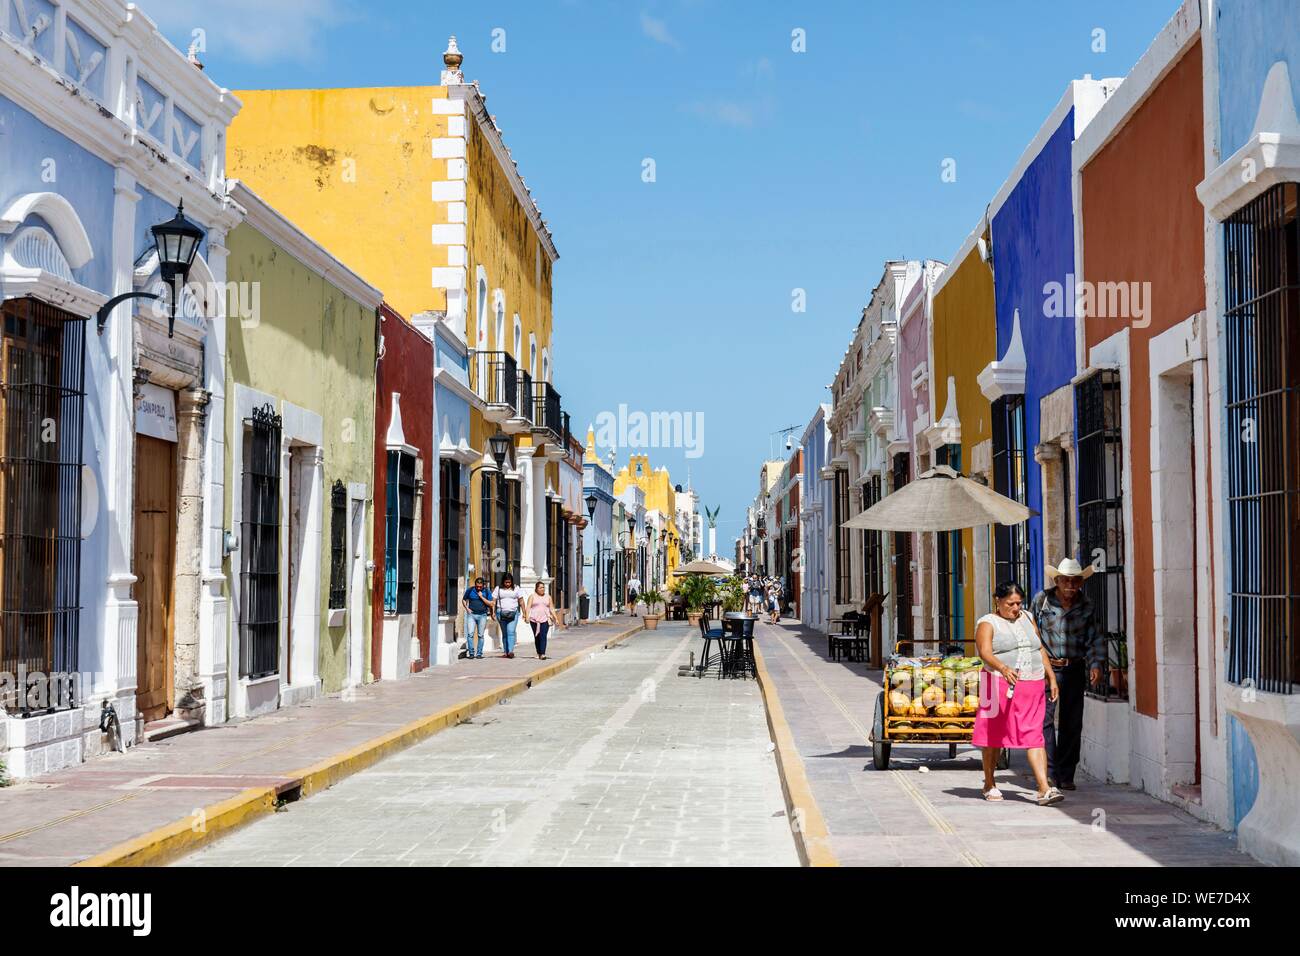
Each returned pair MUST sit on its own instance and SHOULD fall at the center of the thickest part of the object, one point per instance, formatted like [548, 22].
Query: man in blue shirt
[478, 604]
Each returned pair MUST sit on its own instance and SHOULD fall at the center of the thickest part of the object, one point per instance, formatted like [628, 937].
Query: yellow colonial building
[660, 502]
[963, 341]
[416, 189]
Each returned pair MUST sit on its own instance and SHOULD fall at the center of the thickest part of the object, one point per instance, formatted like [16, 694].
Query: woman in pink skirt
[1012, 694]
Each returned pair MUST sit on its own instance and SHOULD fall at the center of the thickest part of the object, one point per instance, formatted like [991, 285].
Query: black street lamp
[177, 243]
[591, 506]
[500, 447]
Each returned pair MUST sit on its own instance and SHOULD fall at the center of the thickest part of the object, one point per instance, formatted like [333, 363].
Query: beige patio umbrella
[940, 500]
[700, 566]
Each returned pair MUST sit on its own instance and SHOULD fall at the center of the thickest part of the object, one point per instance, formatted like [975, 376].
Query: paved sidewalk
[72, 815]
[622, 762]
[904, 817]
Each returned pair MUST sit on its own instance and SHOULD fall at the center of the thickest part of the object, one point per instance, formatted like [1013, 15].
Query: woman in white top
[1012, 692]
[508, 598]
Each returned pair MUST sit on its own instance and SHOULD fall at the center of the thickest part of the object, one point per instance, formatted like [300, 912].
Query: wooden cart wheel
[879, 745]
[1004, 759]
[952, 751]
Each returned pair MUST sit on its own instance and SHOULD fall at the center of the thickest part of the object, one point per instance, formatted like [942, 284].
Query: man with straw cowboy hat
[1076, 648]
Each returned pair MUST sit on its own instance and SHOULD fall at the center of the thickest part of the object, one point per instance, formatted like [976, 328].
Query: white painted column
[527, 568]
[214, 602]
[538, 524]
[121, 612]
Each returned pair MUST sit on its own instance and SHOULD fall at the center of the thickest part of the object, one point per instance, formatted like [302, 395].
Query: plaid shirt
[1069, 633]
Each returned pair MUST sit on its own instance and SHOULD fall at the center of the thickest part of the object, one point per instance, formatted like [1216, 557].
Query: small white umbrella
[940, 500]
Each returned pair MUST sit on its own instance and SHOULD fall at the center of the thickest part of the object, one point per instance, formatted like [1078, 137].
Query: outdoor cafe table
[852, 637]
[735, 622]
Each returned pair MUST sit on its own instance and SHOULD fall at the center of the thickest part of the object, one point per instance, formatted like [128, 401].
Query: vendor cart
[939, 500]
[913, 726]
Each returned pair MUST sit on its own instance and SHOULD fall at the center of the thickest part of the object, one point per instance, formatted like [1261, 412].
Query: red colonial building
[405, 462]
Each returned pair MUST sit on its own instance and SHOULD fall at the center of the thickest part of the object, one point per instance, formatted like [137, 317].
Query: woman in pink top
[540, 616]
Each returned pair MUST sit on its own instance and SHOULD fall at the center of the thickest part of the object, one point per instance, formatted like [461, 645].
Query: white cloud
[657, 30]
[254, 30]
[727, 112]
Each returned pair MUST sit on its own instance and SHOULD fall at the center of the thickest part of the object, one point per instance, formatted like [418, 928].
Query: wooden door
[155, 535]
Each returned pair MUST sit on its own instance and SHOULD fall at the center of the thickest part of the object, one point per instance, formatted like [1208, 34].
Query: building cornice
[477, 103]
[1271, 155]
[36, 87]
[448, 380]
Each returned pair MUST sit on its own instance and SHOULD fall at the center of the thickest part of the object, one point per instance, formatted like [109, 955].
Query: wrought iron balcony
[547, 416]
[524, 405]
[494, 378]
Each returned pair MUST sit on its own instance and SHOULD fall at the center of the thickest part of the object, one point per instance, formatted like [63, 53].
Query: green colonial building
[299, 418]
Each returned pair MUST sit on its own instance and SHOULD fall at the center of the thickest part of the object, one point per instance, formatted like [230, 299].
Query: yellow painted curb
[184, 836]
[811, 837]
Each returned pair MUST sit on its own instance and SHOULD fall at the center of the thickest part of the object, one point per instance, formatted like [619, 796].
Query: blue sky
[774, 170]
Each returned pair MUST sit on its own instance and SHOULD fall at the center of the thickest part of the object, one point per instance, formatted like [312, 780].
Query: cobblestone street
[617, 762]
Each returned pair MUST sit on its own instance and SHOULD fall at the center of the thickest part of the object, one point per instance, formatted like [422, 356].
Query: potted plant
[652, 599]
[697, 592]
[1119, 668]
[732, 594]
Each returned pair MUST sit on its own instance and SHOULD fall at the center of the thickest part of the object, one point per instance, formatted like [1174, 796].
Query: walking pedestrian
[478, 603]
[633, 594]
[1012, 697]
[508, 599]
[541, 615]
[1076, 648]
[774, 604]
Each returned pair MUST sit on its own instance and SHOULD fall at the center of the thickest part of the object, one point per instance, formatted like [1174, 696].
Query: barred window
[843, 537]
[449, 521]
[41, 401]
[501, 526]
[399, 534]
[873, 543]
[259, 612]
[514, 499]
[949, 565]
[1010, 542]
[1101, 519]
[902, 559]
[338, 546]
[1262, 355]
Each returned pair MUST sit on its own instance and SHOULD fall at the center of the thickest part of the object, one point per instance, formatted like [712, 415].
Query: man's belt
[1061, 662]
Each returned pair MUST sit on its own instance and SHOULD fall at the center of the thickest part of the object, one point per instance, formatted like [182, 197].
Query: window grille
[843, 537]
[399, 534]
[259, 611]
[41, 400]
[449, 522]
[949, 565]
[1101, 519]
[1010, 542]
[902, 559]
[1262, 354]
[338, 546]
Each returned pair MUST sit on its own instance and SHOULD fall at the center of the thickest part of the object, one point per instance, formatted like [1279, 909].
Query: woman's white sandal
[993, 793]
[1050, 797]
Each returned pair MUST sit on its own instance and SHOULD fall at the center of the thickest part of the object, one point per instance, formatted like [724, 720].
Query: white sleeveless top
[1016, 644]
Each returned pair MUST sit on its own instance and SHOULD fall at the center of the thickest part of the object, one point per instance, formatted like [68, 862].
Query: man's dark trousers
[1063, 747]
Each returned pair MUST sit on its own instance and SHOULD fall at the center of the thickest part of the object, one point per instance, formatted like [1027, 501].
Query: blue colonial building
[106, 484]
[452, 399]
[598, 536]
[1032, 253]
[1251, 194]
